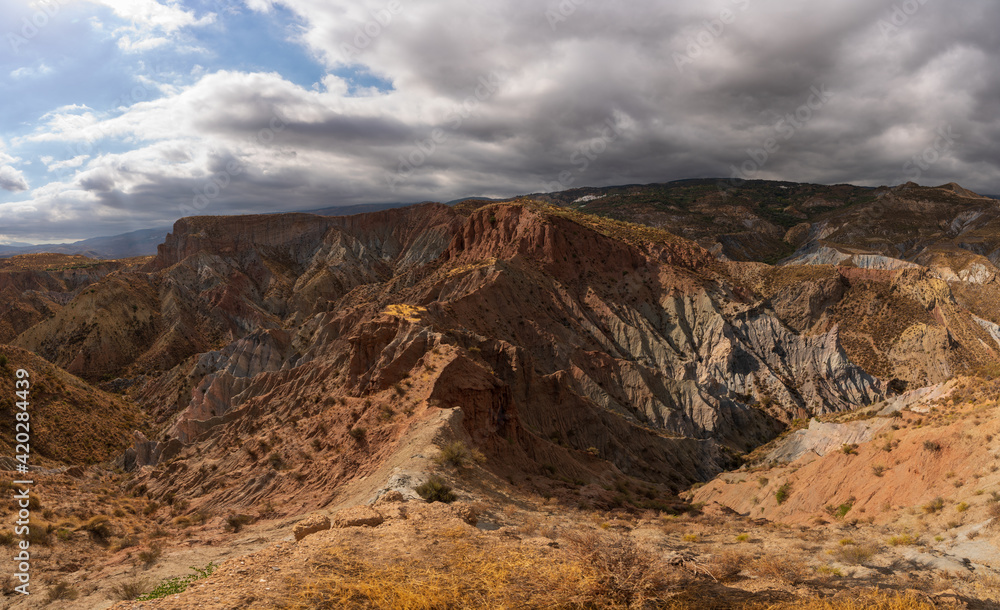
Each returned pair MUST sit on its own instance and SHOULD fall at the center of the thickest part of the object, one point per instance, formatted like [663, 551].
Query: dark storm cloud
[515, 97]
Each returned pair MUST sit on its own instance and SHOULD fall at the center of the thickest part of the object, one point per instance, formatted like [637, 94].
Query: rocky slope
[71, 422]
[310, 362]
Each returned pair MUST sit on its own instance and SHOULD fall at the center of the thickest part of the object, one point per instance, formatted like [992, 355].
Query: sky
[119, 115]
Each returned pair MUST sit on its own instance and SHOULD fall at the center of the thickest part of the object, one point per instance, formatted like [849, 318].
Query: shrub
[839, 512]
[149, 556]
[236, 521]
[932, 446]
[849, 449]
[178, 584]
[61, 590]
[99, 528]
[785, 569]
[783, 492]
[130, 589]
[934, 505]
[459, 455]
[358, 434]
[39, 532]
[962, 507]
[435, 490]
[855, 554]
[902, 540]
[623, 572]
[879, 469]
[276, 461]
[743, 538]
[726, 566]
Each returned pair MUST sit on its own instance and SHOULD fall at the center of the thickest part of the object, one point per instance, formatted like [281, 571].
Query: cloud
[151, 23]
[12, 179]
[28, 72]
[530, 96]
[76, 161]
[152, 15]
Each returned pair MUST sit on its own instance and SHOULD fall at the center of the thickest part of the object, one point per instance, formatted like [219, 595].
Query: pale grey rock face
[823, 438]
[990, 327]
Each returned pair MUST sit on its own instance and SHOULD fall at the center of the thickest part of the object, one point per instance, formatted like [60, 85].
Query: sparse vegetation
[61, 590]
[435, 490]
[855, 554]
[148, 556]
[459, 455]
[934, 505]
[99, 528]
[236, 521]
[130, 589]
[178, 584]
[903, 540]
[783, 492]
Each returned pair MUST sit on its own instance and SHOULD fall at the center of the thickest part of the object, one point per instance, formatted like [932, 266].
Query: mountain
[593, 374]
[126, 245]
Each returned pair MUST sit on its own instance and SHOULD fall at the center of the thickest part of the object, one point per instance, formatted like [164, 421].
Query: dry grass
[600, 571]
[870, 600]
[784, 569]
[130, 588]
[856, 554]
[726, 566]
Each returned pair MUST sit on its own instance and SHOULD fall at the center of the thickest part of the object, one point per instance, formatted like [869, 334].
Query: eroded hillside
[296, 363]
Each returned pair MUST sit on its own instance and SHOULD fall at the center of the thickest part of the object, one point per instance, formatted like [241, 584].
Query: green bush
[178, 584]
[783, 492]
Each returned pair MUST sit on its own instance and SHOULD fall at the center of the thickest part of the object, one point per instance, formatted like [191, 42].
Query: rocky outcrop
[310, 525]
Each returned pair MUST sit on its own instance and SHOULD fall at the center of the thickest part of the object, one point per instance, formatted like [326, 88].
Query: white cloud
[151, 22]
[11, 179]
[152, 15]
[76, 161]
[28, 72]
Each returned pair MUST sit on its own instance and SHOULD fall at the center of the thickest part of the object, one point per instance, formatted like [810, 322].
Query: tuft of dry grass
[855, 554]
[459, 455]
[726, 566]
[784, 569]
[619, 570]
[129, 589]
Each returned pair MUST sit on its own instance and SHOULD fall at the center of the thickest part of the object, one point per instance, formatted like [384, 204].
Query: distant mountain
[350, 210]
[136, 243]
